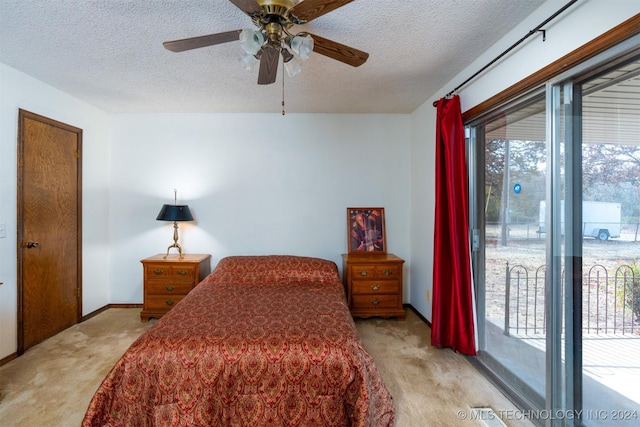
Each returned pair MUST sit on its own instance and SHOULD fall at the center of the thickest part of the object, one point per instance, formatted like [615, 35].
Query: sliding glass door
[511, 146]
[555, 179]
[609, 102]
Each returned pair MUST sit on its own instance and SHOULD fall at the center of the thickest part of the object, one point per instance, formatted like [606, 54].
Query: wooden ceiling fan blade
[311, 9]
[250, 7]
[268, 65]
[202, 41]
[338, 51]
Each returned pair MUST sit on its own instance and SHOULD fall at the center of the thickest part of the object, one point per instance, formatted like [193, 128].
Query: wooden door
[49, 228]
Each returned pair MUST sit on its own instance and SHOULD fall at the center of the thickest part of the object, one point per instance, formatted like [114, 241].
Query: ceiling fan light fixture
[302, 45]
[286, 55]
[293, 66]
[251, 40]
[249, 62]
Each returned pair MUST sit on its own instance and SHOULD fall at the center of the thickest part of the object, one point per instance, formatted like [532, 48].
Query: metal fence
[610, 300]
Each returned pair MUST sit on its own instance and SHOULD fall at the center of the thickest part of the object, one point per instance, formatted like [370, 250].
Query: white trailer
[600, 220]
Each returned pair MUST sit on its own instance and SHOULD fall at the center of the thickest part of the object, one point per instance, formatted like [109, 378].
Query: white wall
[18, 90]
[579, 24]
[255, 183]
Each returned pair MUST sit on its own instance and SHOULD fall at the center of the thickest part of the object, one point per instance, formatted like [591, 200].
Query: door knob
[32, 244]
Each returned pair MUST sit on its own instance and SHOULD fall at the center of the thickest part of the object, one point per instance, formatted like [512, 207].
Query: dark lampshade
[175, 213]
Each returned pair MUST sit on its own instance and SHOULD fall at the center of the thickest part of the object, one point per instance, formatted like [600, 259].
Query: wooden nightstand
[167, 279]
[373, 284]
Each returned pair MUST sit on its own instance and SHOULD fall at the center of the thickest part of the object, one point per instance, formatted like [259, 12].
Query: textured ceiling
[109, 53]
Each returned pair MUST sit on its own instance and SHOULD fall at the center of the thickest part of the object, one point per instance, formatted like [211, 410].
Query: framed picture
[366, 230]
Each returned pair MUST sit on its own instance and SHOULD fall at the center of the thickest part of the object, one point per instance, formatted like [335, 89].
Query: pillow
[259, 269]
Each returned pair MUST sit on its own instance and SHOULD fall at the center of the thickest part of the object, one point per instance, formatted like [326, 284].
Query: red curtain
[453, 311]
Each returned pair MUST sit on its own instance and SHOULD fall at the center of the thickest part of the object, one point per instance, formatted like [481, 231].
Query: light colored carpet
[53, 382]
[431, 386]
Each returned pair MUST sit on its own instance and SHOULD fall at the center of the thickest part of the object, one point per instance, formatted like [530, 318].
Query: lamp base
[175, 241]
[177, 246]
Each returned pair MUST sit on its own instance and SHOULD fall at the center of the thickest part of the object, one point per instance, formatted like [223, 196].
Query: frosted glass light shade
[251, 41]
[302, 46]
[293, 67]
[249, 62]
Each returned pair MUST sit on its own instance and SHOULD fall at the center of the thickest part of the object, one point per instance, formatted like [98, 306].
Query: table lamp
[175, 213]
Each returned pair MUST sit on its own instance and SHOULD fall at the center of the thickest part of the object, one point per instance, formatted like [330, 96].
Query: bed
[261, 341]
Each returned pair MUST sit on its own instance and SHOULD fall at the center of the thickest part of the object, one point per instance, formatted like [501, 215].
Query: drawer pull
[182, 272]
[169, 302]
[387, 272]
[375, 287]
[375, 302]
[169, 288]
[363, 272]
[158, 271]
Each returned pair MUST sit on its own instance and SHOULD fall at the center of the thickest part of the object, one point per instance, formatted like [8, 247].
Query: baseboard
[107, 307]
[424, 319]
[8, 358]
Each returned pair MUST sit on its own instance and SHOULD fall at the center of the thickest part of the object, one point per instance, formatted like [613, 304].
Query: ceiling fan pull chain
[283, 87]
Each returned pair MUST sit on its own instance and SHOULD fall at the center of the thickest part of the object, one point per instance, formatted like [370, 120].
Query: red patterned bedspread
[262, 341]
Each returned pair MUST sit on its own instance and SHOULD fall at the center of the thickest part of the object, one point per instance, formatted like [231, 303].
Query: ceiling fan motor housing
[276, 7]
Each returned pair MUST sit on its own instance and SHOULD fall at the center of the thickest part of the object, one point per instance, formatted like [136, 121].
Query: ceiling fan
[272, 38]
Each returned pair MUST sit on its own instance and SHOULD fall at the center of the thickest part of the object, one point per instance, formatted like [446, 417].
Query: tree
[611, 164]
[525, 160]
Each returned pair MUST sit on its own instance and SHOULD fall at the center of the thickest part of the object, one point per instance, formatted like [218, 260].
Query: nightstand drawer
[376, 287]
[162, 302]
[363, 272]
[388, 271]
[375, 302]
[168, 287]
